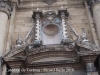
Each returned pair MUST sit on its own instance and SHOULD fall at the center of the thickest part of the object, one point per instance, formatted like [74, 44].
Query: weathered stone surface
[77, 17]
[96, 13]
[93, 73]
[3, 25]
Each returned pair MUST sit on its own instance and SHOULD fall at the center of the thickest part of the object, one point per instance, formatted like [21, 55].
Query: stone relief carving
[36, 46]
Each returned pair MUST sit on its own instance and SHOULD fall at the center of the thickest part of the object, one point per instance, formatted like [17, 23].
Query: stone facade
[18, 31]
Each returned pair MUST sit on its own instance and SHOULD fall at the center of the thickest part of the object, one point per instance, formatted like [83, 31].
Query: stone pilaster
[6, 8]
[63, 15]
[95, 11]
[96, 15]
[11, 29]
[37, 18]
[5, 12]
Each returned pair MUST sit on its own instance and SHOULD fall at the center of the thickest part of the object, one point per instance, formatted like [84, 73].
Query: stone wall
[21, 23]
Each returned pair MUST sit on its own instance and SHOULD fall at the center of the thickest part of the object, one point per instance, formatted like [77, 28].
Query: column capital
[6, 7]
[92, 3]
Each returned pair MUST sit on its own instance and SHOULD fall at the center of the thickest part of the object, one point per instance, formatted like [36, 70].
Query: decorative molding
[72, 60]
[50, 15]
[49, 2]
[6, 7]
[50, 48]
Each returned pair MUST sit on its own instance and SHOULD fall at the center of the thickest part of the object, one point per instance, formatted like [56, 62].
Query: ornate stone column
[64, 15]
[37, 18]
[5, 12]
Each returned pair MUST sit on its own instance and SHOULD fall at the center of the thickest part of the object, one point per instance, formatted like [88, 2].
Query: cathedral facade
[49, 37]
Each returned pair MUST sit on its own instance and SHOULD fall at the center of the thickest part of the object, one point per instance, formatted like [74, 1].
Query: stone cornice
[6, 8]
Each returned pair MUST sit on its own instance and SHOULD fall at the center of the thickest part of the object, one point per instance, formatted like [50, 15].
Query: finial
[19, 40]
[37, 9]
[84, 35]
[83, 30]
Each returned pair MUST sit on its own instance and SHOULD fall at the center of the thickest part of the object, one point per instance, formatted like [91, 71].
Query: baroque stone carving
[67, 47]
[84, 42]
[67, 30]
[37, 17]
